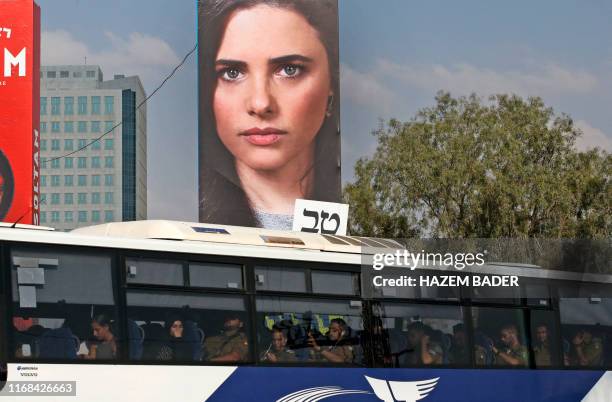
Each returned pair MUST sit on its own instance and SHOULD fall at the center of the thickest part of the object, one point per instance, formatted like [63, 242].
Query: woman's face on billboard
[272, 87]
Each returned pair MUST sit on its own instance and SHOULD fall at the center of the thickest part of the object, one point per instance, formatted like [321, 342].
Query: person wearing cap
[231, 346]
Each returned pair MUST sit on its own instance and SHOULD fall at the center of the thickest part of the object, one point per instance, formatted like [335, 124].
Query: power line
[137, 107]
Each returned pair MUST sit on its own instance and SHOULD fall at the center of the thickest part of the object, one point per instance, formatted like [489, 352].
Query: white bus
[161, 310]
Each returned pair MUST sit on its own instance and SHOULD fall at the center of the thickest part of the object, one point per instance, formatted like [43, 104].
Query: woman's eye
[231, 74]
[290, 71]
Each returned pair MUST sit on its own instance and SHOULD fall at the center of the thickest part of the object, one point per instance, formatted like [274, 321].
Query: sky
[394, 56]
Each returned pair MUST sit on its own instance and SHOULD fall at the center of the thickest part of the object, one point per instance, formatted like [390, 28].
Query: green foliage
[468, 168]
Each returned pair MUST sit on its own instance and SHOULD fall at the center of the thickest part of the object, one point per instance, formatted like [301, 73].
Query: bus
[163, 310]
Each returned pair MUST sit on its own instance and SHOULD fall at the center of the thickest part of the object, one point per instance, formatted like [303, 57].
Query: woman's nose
[261, 101]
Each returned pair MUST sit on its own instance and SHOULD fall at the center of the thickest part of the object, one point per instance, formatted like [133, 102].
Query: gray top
[273, 221]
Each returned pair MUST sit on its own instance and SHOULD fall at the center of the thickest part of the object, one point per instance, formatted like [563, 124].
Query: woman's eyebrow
[230, 63]
[289, 58]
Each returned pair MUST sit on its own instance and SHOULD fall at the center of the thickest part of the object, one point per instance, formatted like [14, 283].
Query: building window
[82, 143]
[68, 127]
[43, 181]
[82, 216]
[68, 145]
[95, 180]
[108, 126]
[55, 164]
[77, 74]
[55, 215]
[43, 217]
[43, 105]
[43, 145]
[109, 162]
[55, 105]
[95, 162]
[68, 163]
[55, 181]
[51, 74]
[82, 198]
[95, 126]
[108, 198]
[43, 199]
[43, 126]
[69, 105]
[68, 216]
[95, 216]
[95, 198]
[55, 126]
[108, 216]
[82, 163]
[109, 144]
[82, 127]
[96, 145]
[109, 179]
[68, 198]
[55, 145]
[90, 74]
[109, 105]
[82, 180]
[55, 199]
[64, 74]
[95, 105]
[82, 105]
[68, 180]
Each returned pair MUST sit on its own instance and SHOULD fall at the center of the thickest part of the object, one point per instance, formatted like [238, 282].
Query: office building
[84, 182]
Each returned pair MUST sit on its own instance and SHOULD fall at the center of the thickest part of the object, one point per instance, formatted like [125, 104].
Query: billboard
[269, 109]
[19, 111]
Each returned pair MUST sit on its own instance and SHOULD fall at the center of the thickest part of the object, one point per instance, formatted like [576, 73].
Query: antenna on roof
[14, 225]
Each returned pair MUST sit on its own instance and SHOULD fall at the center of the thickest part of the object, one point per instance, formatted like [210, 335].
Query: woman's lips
[262, 136]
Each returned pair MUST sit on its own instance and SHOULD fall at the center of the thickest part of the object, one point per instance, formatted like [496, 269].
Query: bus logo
[386, 391]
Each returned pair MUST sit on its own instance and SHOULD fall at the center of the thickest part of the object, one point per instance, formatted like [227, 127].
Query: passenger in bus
[278, 352]
[587, 349]
[106, 348]
[459, 352]
[422, 349]
[338, 349]
[541, 346]
[513, 353]
[176, 348]
[231, 346]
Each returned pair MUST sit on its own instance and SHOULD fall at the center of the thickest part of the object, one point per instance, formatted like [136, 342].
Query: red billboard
[19, 111]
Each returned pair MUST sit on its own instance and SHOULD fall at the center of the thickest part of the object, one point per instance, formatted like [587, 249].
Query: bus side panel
[105, 382]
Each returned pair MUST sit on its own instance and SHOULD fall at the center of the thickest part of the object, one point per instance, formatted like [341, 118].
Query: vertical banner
[269, 109]
[19, 111]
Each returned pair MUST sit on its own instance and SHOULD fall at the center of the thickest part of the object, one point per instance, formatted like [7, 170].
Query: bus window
[309, 331]
[409, 335]
[586, 326]
[544, 339]
[338, 283]
[153, 272]
[210, 275]
[281, 279]
[499, 337]
[63, 306]
[187, 327]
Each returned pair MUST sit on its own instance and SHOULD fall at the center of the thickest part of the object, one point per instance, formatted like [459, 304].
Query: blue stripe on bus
[272, 384]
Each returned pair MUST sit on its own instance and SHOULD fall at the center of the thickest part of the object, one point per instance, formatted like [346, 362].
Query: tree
[466, 168]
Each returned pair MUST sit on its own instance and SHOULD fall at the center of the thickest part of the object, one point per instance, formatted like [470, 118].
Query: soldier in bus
[106, 348]
[513, 353]
[338, 349]
[278, 352]
[231, 346]
[459, 352]
[587, 350]
[541, 346]
[422, 350]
